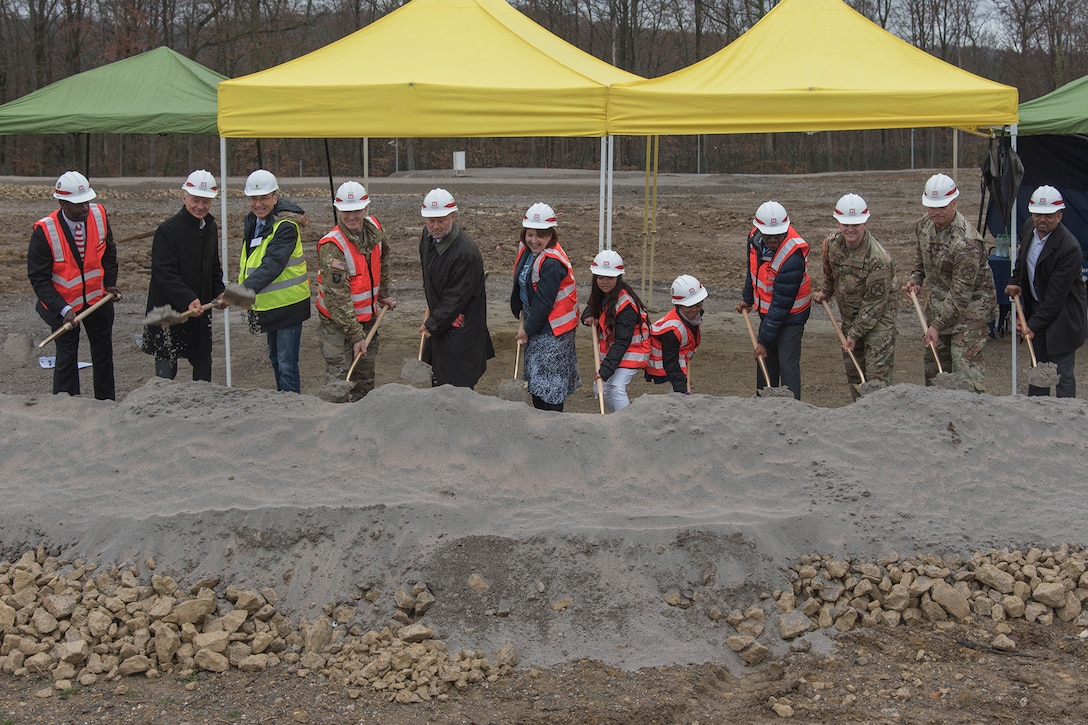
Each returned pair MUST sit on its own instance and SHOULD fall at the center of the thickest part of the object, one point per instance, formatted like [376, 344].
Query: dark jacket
[275, 260]
[453, 283]
[39, 267]
[552, 274]
[1059, 312]
[185, 265]
[787, 284]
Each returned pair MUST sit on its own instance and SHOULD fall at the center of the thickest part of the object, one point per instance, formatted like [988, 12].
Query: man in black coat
[186, 271]
[458, 344]
[1048, 272]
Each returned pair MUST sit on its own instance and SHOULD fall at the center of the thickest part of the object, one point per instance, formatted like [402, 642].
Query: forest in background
[1035, 45]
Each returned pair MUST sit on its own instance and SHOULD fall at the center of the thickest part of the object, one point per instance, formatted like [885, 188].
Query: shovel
[1042, 375]
[235, 295]
[597, 367]
[366, 341]
[165, 316]
[513, 389]
[858, 389]
[925, 328]
[752, 335]
[71, 325]
[417, 371]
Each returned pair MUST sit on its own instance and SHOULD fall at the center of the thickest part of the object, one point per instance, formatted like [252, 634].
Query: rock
[952, 599]
[211, 661]
[782, 710]
[477, 584]
[738, 642]
[995, 578]
[415, 633]
[1003, 643]
[754, 654]
[793, 625]
[134, 665]
[1052, 594]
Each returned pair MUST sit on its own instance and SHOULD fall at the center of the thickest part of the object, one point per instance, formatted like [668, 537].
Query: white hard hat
[607, 264]
[438, 203]
[261, 182]
[940, 191]
[73, 186]
[771, 218]
[540, 216]
[687, 291]
[851, 209]
[351, 196]
[201, 183]
[1046, 200]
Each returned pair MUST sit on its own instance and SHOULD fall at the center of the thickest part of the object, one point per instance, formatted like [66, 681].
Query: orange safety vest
[763, 274]
[80, 286]
[689, 340]
[364, 274]
[638, 352]
[563, 316]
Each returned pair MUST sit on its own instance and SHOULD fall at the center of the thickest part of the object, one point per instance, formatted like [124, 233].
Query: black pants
[99, 327]
[542, 405]
[167, 368]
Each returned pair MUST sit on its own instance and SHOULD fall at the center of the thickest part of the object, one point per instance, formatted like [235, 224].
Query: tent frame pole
[1014, 237]
[223, 245]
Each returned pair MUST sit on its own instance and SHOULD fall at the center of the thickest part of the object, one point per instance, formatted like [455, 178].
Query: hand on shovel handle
[366, 341]
[755, 344]
[597, 368]
[925, 328]
[1024, 325]
[72, 325]
[842, 339]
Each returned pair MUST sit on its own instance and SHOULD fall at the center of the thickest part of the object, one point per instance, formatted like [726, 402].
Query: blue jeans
[283, 346]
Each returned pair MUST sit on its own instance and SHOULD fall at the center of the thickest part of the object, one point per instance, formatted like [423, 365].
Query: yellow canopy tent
[811, 65]
[432, 68]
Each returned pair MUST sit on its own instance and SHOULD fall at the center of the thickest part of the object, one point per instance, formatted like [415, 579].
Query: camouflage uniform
[862, 281]
[337, 335]
[962, 299]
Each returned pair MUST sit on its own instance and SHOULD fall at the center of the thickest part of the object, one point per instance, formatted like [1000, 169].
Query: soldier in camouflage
[860, 275]
[952, 258]
[352, 282]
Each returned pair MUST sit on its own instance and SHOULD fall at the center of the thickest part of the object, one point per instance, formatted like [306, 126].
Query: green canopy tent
[158, 92]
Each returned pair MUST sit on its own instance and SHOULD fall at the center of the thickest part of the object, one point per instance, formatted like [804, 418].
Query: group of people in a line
[72, 265]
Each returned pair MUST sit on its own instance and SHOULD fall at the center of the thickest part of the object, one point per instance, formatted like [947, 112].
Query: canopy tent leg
[223, 246]
[1014, 237]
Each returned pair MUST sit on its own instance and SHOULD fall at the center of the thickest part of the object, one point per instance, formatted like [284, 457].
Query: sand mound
[710, 496]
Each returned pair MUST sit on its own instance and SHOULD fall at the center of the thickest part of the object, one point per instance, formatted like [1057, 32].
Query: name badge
[256, 242]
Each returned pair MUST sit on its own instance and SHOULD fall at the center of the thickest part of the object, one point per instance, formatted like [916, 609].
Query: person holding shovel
[352, 284]
[273, 266]
[545, 296]
[860, 275]
[623, 334]
[1047, 278]
[952, 258]
[186, 270]
[72, 265]
[778, 285]
[675, 337]
[456, 341]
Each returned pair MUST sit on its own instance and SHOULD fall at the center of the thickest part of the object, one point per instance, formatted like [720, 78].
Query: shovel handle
[366, 341]
[925, 328]
[517, 347]
[1024, 324]
[842, 339]
[422, 336]
[597, 367]
[203, 308]
[752, 336]
[71, 325]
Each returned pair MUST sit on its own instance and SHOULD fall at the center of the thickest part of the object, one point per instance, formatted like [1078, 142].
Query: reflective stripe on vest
[638, 352]
[563, 316]
[291, 285]
[79, 287]
[689, 340]
[763, 274]
[364, 275]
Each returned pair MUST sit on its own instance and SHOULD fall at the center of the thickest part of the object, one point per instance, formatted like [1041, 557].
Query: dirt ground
[924, 673]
